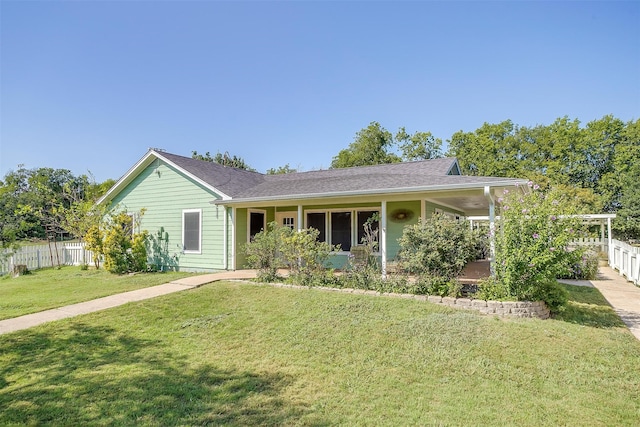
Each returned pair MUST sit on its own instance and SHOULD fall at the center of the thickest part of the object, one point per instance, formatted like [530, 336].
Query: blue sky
[91, 85]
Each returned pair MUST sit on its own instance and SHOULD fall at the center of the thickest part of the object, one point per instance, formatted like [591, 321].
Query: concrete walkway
[30, 320]
[622, 295]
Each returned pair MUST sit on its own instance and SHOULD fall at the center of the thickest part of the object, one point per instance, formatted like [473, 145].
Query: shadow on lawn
[97, 375]
[588, 307]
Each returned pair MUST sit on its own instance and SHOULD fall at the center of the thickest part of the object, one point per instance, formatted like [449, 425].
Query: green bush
[264, 252]
[441, 286]
[581, 264]
[438, 247]
[532, 241]
[124, 251]
[299, 251]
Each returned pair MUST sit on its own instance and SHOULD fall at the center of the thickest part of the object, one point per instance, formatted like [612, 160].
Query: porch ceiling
[465, 203]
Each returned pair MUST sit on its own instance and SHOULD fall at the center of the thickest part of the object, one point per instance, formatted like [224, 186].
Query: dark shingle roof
[241, 184]
[230, 181]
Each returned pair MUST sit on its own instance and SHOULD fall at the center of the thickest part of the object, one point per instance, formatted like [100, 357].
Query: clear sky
[91, 85]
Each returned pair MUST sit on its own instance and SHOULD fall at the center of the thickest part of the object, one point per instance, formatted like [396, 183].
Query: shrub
[305, 256]
[300, 251]
[95, 243]
[264, 252]
[581, 264]
[123, 251]
[441, 286]
[532, 241]
[438, 247]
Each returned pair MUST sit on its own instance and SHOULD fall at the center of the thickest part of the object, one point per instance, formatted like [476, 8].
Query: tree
[223, 159]
[419, 146]
[281, 170]
[371, 146]
[491, 150]
[374, 145]
[590, 162]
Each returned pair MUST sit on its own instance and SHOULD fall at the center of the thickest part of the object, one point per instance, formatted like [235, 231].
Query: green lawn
[239, 354]
[50, 288]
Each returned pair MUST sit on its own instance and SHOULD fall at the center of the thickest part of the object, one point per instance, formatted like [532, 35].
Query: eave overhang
[381, 192]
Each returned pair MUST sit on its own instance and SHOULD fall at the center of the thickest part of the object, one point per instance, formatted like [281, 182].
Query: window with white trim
[340, 227]
[192, 230]
[257, 223]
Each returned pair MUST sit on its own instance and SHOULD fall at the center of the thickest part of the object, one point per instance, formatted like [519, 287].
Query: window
[191, 230]
[341, 230]
[317, 220]
[256, 223]
[287, 219]
[362, 218]
[344, 228]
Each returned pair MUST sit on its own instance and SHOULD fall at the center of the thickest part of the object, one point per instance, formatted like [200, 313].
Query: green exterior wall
[394, 229]
[164, 192]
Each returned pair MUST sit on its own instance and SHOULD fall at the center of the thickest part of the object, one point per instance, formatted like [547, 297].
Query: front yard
[51, 288]
[242, 354]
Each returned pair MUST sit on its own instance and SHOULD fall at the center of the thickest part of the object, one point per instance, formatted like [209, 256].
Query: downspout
[492, 229]
[383, 238]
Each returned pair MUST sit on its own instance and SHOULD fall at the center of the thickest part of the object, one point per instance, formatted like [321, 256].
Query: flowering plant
[532, 242]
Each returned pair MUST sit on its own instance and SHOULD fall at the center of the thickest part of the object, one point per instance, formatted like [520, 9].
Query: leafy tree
[491, 150]
[375, 145]
[419, 146]
[281, 170]
[223, 159]
[591, 162]
[371, 146]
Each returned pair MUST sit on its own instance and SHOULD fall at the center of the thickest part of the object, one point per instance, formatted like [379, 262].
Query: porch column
[233, 237]
[610, 248]
[383, 238]
[300, 218]
[492, 229]
[225, 239]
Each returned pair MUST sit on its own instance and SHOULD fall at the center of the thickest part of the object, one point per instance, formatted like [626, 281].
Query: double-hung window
[192, 230]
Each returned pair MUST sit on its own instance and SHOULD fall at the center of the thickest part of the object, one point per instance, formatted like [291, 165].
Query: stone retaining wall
[537, 309]
[531, 309]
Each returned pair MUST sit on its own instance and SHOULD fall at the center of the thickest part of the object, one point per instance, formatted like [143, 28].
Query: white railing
[626, 259]
[40, 256]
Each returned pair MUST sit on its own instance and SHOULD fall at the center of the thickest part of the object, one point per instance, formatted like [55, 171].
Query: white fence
[602, 244]
[626, 259]
[40, 256]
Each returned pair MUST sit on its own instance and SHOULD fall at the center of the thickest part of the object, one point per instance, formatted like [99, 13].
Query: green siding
[395, 229]
[164, 193]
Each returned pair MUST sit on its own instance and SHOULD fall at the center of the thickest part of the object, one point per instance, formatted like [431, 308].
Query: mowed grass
[241, 354]
[50, 288]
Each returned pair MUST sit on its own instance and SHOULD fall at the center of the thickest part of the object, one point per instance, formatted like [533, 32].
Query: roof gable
[222, 180]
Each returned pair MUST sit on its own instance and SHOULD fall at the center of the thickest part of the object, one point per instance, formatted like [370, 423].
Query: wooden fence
[40, 256]
[626, 259]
